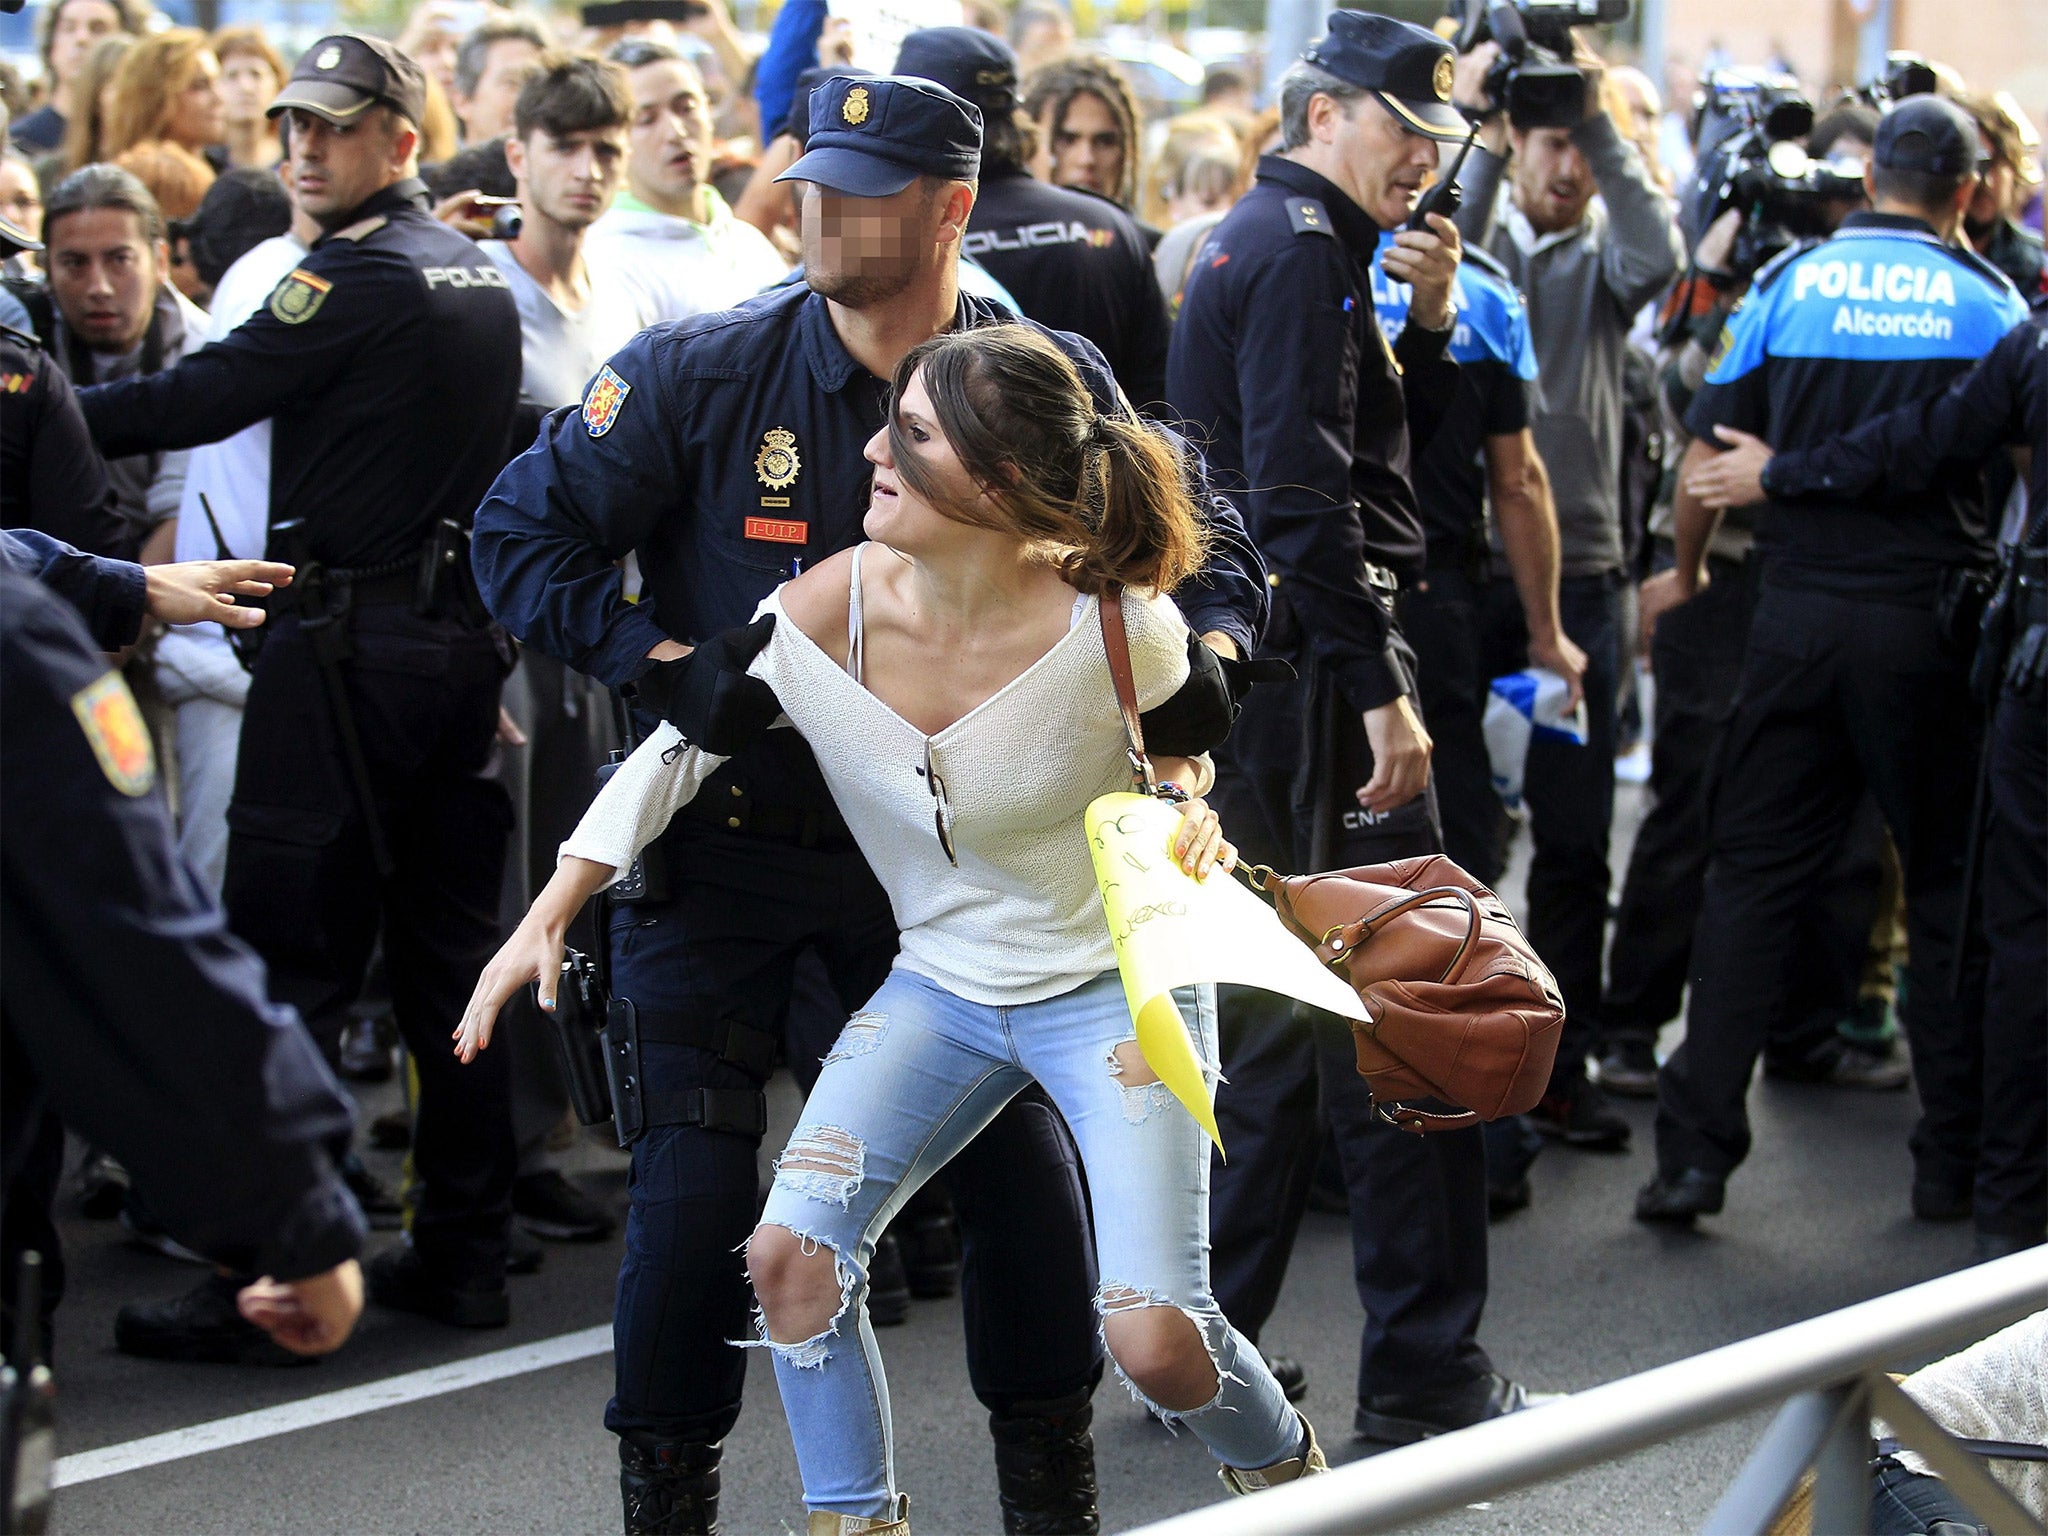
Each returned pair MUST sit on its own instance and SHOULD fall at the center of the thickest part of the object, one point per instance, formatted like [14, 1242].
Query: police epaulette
[1309, 217]
[1769, 272]
[20, 338]
[1480, 257]
[1979, 265]
[361, 227]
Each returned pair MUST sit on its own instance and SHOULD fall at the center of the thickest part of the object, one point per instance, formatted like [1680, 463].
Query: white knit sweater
[1021, 918]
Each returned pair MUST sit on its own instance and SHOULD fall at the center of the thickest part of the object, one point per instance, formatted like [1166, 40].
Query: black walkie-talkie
[1445, 197]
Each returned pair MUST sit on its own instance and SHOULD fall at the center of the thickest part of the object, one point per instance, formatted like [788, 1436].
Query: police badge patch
[113, 727]
[601, 406]
[298, 298]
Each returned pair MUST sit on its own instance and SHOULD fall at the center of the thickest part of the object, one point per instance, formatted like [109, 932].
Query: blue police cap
[966, 61]
[1928, 134]
[1408, 68]
[874, 137]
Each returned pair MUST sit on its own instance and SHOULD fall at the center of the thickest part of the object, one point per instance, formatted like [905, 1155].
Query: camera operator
[1585, 268]
[1855, 674]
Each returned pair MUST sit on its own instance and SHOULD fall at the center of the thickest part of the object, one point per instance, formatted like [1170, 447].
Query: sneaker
[382, 1208]
[549, 1206]
[1580, 1116]
[1872, 1026]
[1841, 1065]
[400, 1279]
[888, 1286]
[202, 1325]
[1629, 1068]
[1402, 1418]
[392, 1130]
[145, 1231]
[102, 1187]
[366, 1051]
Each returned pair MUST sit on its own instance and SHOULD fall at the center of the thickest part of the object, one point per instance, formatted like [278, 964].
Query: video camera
[1905, 74]
[1756, 120]
[1534, 78]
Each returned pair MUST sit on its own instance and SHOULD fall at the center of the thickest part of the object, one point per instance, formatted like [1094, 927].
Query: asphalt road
[1581, 1294]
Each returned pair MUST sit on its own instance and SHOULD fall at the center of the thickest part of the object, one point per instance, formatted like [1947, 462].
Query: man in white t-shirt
[567, 152]
[678, 245]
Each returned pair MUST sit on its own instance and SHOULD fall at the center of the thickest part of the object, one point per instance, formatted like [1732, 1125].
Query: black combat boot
[670, 1487]
[1045, 1468]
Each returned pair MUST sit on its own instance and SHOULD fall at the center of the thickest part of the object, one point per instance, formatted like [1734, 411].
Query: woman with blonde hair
[168, 87]
[953, 679]
[251, 74]
[92, 92]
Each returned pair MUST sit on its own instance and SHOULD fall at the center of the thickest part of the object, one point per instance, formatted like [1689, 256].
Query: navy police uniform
[1439, 611]
[51, 477]
[173, 1058]
[1283, 372]
[725, 452]
[1851, 678]
[389, 363]
[2003, 400]
[1073, 261]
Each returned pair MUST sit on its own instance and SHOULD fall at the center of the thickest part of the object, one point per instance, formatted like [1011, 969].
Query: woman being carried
[952, 679]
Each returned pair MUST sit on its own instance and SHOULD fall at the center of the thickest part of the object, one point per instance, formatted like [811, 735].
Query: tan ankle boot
[1242, 1480]
[825, 1523]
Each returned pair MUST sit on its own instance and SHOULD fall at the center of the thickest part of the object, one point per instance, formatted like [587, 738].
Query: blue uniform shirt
[1496, 361]
[726, 452]
[1880, 315]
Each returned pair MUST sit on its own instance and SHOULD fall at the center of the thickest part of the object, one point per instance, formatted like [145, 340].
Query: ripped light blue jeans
[914, 1076]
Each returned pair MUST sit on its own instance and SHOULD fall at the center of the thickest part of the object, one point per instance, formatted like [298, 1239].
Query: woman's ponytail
[1145, 532]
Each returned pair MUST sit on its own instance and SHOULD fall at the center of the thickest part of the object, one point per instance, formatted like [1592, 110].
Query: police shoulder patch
[106, 712]
[298, 298]
[1309, 217]
[603, 401]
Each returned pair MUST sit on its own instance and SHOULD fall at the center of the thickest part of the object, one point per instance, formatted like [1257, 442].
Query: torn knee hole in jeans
[1113, 1298]
[825, 1163]
[1137, 1084]
[861, 1034]
[812, 1353]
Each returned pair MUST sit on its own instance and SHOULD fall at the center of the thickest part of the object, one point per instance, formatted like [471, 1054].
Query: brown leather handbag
[1462, 1009]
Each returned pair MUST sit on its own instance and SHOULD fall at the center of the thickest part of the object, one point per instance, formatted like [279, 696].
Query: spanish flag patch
[113, 727]
[298, 298]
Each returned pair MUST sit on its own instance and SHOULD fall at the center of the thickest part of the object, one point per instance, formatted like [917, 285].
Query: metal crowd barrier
[1829, 1373]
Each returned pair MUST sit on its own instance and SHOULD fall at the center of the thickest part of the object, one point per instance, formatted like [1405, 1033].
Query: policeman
[1279, 360]
[174, 1059]
[1856, 673]
[1483, 450]
[389, 362]
[2003, 400]
[1076, 263]
[726, 453]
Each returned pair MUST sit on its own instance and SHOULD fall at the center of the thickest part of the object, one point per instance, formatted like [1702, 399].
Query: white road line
[349, 1403]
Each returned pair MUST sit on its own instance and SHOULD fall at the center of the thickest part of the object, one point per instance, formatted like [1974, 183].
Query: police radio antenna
[1446, 197]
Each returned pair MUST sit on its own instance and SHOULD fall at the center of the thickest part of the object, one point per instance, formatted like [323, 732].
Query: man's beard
[866, 290]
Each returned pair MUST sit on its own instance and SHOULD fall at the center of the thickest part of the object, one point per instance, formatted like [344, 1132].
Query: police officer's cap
[874, 137]
[1929, 134]
[798, 126]
[1409, 69]
[341, 77]
[968, 62]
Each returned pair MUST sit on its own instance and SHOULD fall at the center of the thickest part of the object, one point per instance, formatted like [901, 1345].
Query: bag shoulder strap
[1116, 641]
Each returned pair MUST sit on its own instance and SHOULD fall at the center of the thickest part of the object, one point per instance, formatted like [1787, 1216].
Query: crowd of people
[612, 390]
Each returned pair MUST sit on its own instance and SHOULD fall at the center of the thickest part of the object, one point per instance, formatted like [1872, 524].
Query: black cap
[1930, 134]
[874, 137]
[798, 125]
[1408, 68]
[625, 13]
[968, 62]
[14, 238]
[340, 76]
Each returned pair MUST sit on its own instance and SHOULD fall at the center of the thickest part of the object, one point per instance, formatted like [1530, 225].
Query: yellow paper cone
[1171, 930]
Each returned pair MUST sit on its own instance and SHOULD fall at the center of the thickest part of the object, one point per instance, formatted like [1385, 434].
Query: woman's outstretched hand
[532, 954]
[1199, 847]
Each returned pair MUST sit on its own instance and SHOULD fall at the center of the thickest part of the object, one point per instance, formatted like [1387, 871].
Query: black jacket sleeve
[69, 495]
[1301, 466]
[110, 595]
[172, 1058]
[1998, 402]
